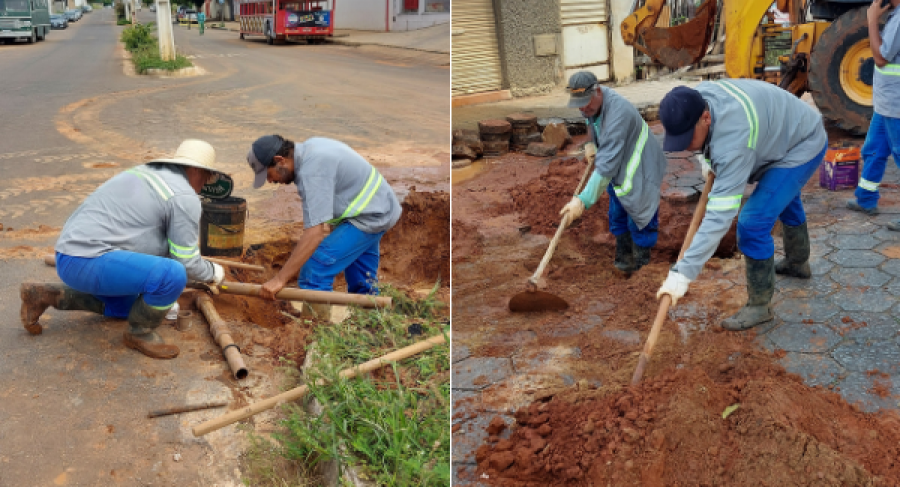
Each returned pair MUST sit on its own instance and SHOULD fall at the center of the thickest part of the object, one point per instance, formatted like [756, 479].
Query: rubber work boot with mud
[760, 289]
[624, 260]
[37, 297]
[641, 256]
[141, 334]
[796, 253]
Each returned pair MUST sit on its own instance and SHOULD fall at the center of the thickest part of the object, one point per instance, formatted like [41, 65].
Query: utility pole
[127, 4]
[164, 26]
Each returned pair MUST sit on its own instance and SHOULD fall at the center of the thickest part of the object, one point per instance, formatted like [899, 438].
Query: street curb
[128, 68]
[357, 44]
[332, 472]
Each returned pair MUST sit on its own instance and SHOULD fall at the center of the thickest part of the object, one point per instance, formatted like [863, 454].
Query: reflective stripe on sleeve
[749, 110]
[633, 163]
[155, 182]
[723, 203]
[868, 185]
[183, 252]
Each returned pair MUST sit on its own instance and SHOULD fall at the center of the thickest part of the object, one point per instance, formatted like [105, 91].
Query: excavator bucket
[682, 45]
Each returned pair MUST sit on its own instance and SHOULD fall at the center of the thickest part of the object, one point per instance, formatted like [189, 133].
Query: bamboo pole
[323, 297]
[299, 392]
[222, 335]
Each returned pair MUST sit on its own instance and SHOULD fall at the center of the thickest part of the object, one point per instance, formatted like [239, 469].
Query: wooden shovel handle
[666, 300]
[562, 226]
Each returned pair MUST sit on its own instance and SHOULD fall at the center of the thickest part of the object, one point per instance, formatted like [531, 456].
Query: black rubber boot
[625, 253]
[760, 289]
[37, 297]
[796, 252]
[141, 335]
[641, 256]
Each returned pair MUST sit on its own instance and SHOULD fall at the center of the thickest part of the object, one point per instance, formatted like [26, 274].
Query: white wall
[622, 56]
[360, 14]
[413, 21]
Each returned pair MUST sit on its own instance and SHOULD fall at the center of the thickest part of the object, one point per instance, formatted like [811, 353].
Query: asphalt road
[73, 401]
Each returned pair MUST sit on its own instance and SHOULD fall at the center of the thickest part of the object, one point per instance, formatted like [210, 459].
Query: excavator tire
[834, 96]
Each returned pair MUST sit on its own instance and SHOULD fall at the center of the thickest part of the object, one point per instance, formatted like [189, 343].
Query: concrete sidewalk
[434, 39]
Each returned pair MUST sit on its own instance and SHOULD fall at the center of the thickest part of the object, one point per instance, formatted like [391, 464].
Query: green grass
[144, 48]
[393, 424]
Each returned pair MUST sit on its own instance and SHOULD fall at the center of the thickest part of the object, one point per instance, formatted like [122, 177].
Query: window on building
[410, 6]
[437, 6]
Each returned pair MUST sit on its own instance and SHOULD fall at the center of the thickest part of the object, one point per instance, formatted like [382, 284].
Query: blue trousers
[882, 140]
[120, 277]
[348, 250]
[776, 196]
[620, 222]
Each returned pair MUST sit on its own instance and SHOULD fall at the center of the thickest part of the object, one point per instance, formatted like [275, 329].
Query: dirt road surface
[74, 400]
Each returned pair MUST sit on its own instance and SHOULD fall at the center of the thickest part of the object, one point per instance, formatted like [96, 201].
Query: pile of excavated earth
[712, 409]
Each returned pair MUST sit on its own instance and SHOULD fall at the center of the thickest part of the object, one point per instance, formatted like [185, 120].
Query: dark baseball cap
[262, 156]
[581, 88]
[679, 112]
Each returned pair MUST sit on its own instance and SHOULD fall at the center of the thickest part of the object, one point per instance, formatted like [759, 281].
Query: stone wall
[519, 21]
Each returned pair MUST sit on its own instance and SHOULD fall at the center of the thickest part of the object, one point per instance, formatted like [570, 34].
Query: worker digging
[347, 208]
[883, 137]
[628, 164]
[129, 250]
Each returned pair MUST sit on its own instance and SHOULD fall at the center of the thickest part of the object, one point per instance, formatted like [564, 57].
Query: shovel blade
[532, 301]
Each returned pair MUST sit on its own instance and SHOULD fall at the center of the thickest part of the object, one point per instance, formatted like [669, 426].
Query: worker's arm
[732, 173]
[619, 122]
[874, 13]
[307, 244]
[183, 234]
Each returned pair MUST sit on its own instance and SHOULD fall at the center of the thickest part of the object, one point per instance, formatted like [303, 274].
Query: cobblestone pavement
[838, 330]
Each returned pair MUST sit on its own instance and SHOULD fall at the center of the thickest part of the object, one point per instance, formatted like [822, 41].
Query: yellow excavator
[823, 49]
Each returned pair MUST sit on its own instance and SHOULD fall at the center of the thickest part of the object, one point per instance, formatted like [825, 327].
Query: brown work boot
[37, 297]
[151, 345]
[143, 320]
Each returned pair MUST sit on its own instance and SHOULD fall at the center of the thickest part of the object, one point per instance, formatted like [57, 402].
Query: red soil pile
[417, 250]
[670, 431]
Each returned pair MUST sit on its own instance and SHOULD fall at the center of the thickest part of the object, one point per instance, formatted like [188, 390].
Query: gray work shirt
[886, 81]
[149, 209]
[629, 155]
[756, 126]
[335, 182]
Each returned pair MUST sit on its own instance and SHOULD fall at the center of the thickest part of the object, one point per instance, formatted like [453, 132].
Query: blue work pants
[349, 250]
[620, 222]
[120, 277]
[777, 196]
[882, 140]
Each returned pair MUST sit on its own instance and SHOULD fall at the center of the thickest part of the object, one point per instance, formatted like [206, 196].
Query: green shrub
[147, 57]
[138, 36]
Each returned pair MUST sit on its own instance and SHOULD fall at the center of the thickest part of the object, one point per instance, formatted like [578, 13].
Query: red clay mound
[669, 431]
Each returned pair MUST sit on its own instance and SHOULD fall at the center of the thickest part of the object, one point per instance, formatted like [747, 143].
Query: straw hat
[194, 153]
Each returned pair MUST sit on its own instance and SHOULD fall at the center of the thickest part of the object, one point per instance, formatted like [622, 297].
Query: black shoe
[641, 256]
[853, 205]
[760, 289]
[625, 253]
[796, 252]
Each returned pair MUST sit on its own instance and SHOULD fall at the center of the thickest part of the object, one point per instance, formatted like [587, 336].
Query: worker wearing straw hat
[130, 248]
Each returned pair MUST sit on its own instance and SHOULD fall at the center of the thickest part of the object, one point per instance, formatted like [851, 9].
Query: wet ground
[830, 353]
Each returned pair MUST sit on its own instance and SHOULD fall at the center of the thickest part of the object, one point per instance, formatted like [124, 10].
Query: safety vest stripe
[633, 163]
[162, 307]
[722, 203]
[889, 69]
[364, 197]
[183, 252]
[154, 181]
[868, 185]
[749, 110]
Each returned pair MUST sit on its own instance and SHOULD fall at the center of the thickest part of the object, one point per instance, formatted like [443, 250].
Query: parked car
[72, 15]
[87, 9]
[153, 8]
[58, 21]
[190, 16]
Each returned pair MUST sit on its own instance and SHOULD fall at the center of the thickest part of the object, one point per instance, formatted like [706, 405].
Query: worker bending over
[130, 248]
[347, 208]
[883, 137]
[749, 132]
[628, 164]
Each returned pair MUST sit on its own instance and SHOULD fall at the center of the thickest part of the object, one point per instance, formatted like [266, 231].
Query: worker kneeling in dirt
[347, 208]
[129, 249]
[628, 163]
[748, 131]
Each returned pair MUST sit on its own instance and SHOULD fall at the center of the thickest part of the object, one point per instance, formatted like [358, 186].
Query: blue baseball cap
[679, 112]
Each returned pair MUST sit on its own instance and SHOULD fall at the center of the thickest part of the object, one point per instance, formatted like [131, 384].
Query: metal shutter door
[585, 36]
[475, 56]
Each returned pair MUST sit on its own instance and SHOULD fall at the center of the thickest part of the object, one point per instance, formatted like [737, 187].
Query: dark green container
[222, 227]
